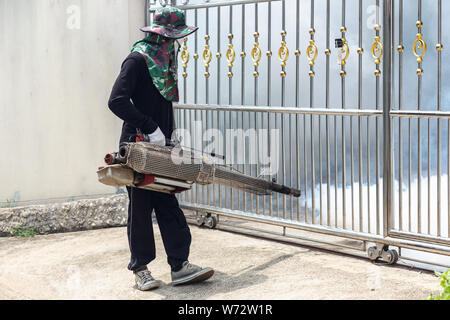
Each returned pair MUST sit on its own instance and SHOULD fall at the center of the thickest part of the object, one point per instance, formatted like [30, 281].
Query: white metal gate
[355, 136]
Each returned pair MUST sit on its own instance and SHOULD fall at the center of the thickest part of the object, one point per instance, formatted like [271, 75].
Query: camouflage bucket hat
[169, 22]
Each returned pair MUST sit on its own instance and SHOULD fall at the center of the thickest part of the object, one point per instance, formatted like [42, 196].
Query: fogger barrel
[190, 167]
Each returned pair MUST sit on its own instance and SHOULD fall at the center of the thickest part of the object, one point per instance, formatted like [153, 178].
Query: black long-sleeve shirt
[136, 100]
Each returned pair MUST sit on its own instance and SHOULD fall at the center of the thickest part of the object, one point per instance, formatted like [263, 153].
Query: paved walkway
[92, 265]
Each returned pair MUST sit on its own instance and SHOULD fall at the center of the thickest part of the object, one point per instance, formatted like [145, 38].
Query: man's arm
[120, 100]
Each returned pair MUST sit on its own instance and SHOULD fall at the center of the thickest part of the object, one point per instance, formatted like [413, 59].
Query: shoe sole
[155, 285]
[202, 275]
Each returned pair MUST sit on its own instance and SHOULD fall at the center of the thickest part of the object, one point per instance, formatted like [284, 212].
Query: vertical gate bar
[352, 174]
[177, 112]
[269, 69]
[275, 124]
[368, 174]
[439, 48]
[359, 118]
[297, 58]
[429, 175]
[335, 175]
[255, 113]
[409, 175]
[344, 204]
[297, 104]
[400, 104]
[283, 102]
[230, 125]
[230, 101]
[188, 193]
[320, 172]
[289, 153]
[196, 93]
[305, 164]
[185, 194]
[231, 145]
[391, 218]
[207, 98]
[191, 117]
[263, 198]
[419, 142]
[311, 102]
[305, 174]
[377, 136]
[243, 96]
[219, 55]
[177, 115]
[448, 128]
[387, 104]
[327, 105]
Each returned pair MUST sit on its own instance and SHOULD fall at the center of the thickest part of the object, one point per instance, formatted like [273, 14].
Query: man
[142, 97]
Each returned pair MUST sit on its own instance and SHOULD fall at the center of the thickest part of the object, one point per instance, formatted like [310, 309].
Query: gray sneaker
[190, 273]
[145, 281]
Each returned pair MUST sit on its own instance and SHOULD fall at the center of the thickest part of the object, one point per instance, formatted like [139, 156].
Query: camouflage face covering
[161, 59]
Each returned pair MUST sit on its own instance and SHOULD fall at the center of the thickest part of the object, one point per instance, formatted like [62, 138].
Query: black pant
[172, 223]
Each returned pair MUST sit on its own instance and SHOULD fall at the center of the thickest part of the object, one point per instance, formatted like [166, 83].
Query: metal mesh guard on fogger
[161, 161]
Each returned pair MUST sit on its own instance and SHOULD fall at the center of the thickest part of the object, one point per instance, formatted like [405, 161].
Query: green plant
[445, 284]
[21, 232]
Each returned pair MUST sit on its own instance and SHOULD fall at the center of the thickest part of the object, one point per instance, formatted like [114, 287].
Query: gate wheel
[200, 219]
[210, 221]
[372, 253]
[391, 257]
[382, 251]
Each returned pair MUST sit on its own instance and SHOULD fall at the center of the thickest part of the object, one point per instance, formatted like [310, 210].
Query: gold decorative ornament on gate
[207, 56]
[185, 57]
[344, 52]
[230, 56]
[283, 53]
[377, 53]
[419, 45]
[256, 54]
[311, 52]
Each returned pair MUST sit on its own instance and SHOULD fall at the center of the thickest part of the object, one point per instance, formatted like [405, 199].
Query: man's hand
[156, 137]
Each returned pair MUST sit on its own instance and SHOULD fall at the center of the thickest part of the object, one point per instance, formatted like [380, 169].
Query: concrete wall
[83, 214]
[59, 60]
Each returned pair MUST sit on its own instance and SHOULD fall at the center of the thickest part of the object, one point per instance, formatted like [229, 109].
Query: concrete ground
[92, 265]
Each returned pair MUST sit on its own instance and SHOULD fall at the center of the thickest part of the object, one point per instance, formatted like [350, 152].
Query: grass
[445, 284]
[23, 233]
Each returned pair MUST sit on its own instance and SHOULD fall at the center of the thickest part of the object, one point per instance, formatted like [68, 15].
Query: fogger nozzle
[150, 159]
